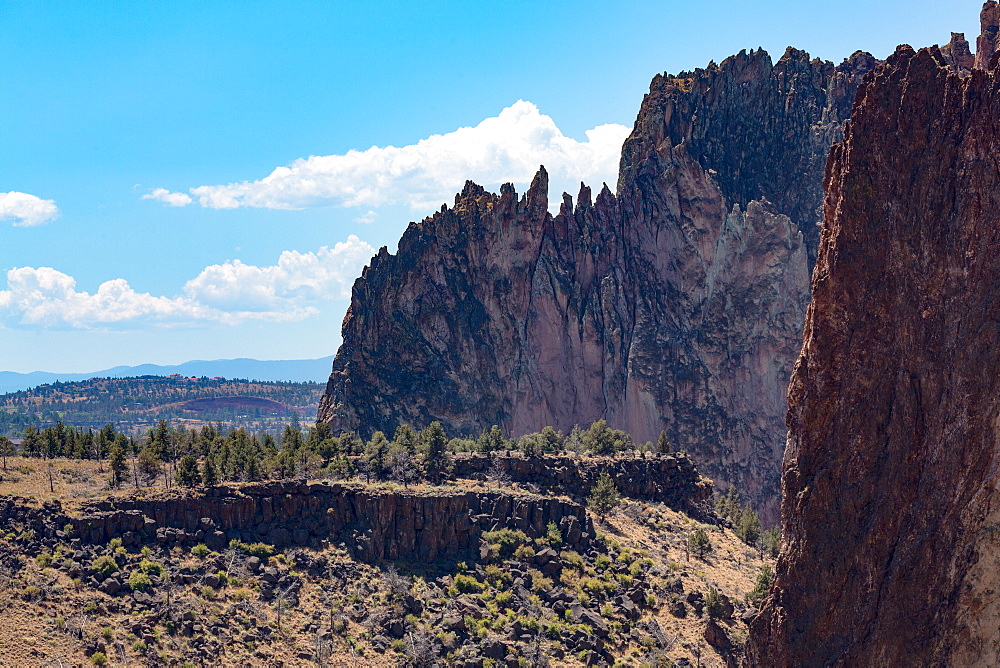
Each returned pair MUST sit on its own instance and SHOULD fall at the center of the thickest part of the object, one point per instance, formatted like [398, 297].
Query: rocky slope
[889, 510]
[626, 590]
[675, 305]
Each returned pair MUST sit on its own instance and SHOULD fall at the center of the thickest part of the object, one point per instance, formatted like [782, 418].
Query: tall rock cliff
[893, 461]
[674, 305]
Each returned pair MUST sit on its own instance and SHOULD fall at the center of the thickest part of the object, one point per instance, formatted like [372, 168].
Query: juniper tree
[433, 442]
[699, 542]
[187, 472]
[209, 474]
[117, 462]
[604, 496]
[663, 443]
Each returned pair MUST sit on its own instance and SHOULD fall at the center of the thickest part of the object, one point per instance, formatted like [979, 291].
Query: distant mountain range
[317, 370]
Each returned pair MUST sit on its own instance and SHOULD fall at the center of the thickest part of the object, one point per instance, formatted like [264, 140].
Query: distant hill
[317, 370]
[135, 404]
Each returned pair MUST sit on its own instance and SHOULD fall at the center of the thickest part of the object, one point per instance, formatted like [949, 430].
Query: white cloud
[507, 147]
[45, 297]
[229, 294]
[27, 210]
[298, 277]
[167, 197]
[367, 218]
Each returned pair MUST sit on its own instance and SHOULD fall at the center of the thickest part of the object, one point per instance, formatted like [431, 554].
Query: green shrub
[771, 541]
[200, 550]
[139, 581]
[497, 576]
[763, 584]
[505, 541]
[573, 558]
[554, 535]
[524, 553]
[713, 603]
[44, 559]
[105, 565]
[151, 567]
[98, 658]
[468, 584]
[260, 550]
[538, 581]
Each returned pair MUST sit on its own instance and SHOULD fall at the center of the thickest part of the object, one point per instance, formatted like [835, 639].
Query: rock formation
[986, 45]
[675, 305]
[890, 475]
[373, 524]
[669, 479]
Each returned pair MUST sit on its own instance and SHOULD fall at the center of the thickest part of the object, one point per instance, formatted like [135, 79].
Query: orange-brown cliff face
[890, 509]
[675, 305]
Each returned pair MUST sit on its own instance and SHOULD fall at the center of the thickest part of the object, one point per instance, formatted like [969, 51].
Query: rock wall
[669, 479]
[890, 512]
[373, 523]
[675, 305]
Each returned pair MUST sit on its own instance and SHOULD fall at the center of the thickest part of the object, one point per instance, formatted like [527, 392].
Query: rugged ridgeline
[675, 305]
[889, 512]
[373, 524]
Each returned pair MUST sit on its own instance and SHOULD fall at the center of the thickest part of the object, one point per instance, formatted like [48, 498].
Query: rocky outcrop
[675, 305]
[986, 45]
[374, 524]
[669, 479]
[890, 509]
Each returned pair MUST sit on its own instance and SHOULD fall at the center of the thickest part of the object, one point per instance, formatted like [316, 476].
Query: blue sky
[123, 127]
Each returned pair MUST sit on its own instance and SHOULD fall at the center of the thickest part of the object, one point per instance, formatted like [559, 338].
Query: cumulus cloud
[298, 277]
[168, 198]
[507, 147]
[26, 210]
[229, 294]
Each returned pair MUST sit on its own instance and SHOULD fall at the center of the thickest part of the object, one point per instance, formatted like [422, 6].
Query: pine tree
[118, 462]
[663, 443]
[372, 461]
[187, 472]
[209, 474]
[700, 543]
[604, 496]
[148, 466]
[433, 443]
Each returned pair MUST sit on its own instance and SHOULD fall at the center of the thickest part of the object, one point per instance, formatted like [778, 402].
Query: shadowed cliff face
[675, 305]
[889, 510]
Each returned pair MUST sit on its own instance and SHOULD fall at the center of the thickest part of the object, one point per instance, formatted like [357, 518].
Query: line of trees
[213, 454]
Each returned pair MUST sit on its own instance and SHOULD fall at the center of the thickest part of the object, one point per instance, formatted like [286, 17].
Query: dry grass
[69, 481]
[731, 568]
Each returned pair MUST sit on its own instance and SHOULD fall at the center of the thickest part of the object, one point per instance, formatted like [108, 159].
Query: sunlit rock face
[675, 304]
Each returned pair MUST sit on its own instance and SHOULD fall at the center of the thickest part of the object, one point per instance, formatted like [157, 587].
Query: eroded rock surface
[890, 513]
[675, 305]
[374, 524]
